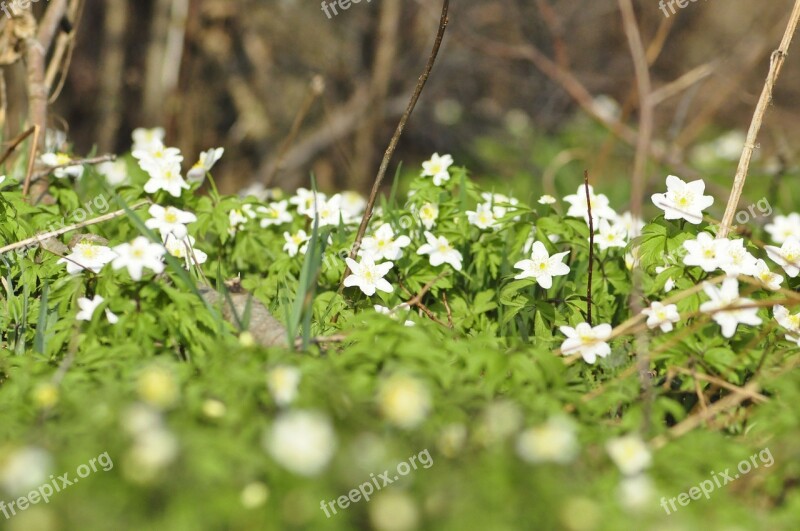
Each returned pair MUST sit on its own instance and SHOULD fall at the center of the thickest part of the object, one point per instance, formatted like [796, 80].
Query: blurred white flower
[368, 276]
[238, 218]
[579, 207]
[303, 200]
[482, 217]
[283, 382]
[438, 168]
[329, 212]
[87, 255]
[115, 172]
[784, 227]
[787, 255]
[169, 220]
[353, 204]
[500, 204]
[440, 251]
[728, 296]
[62, 159]
[542, 266]
[275, 214]
[791, 322]
[554, 441]
[393, 510]
[771, 281]
[428, 214]
[254, 495]
[296, 243]
[633, 226]
[88, 307]
[404, 401]
[736, 260]
[185, 250]
[683, 200]
[610, 235]
[662, 316]
[148, 139]
[204, 164]
[383, 310]
[167, 178]
[635, 492]
[303, 442]
[590, 342]
[139, 254]
[547, 200]
[383, 245]
[630, 453]
[24, 470]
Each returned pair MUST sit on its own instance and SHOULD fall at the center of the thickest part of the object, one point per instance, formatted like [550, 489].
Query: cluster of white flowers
[612, 229]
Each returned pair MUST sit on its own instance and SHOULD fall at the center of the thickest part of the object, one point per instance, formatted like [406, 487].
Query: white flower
[705, 251]
[610, 235]
[482, 217]
[669, 285]
[283, 382]
[553, 441]
[787, 255]
[633, 226]
[736, 260]
[368, 276]
[579, 207]
[137, 255]
[383, 245]
[428, 214]
[437, 167]
[404, 401]
[24, 470]
[500, 204]
[784, 227]
[383, 310]
[157, 155]
[297, 242]
[683, 200]
[275, 214]
[303, 200]
[630, 453]
[587, 341]
[547, 200]
[790, 322]
[169, 220]
[353, 205]
[771, 281]
[115, 172]
[725, 297]
[238, 217]
[303, 442]
[87, 255]
[60, 159]
[635, 492]
[185, 250]
[88, 307]
[329, 212]
[542, 266]
[440, 251]
[148, 139]
[661, 316]
[204, 164]
[167, 178]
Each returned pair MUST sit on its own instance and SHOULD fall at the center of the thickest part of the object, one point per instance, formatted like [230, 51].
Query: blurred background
[288, 90]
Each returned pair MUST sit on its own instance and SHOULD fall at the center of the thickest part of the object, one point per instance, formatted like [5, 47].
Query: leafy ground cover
[185, 360]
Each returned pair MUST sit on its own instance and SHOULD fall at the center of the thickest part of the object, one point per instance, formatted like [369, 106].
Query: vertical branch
[591, 247]
[112, 64]
[776, 64]
[387, 157]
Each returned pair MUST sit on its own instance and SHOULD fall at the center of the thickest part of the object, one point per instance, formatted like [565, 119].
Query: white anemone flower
[440, 251]
[368, 276]
[482, 217]
[787, 255]
[554, 441]
[438, 168]
[169, 221]
[662, 316]
[54, 160]
[590, 342]
[139, 254]
[148, 139]
[167, 178]
[610, 235]
[87, 255]
[296, 243]
[303, 442]
[736, 260]
[579, 207]
[304, 200]
[204, 164]
[772, 281]
[630, 453]
[428, 214]
[784, 227]
[283, 382]
[727, 296]
[683, 200]
[383, 245]
[706, 252]
[542, 266]
[88, 307]
[275, 214]
[184, 249]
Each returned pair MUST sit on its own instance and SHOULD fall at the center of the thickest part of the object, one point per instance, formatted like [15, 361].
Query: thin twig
[591, 248]
[362, 229]
[75, 162]
[16, 142]
[47, 235]
[31, 160]
[777, 59]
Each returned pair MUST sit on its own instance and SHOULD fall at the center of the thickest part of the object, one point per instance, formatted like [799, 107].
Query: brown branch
[362, 229]
[777, 59]
[16, 142]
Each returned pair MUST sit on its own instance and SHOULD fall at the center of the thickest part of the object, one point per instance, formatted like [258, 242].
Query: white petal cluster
[590, 342]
